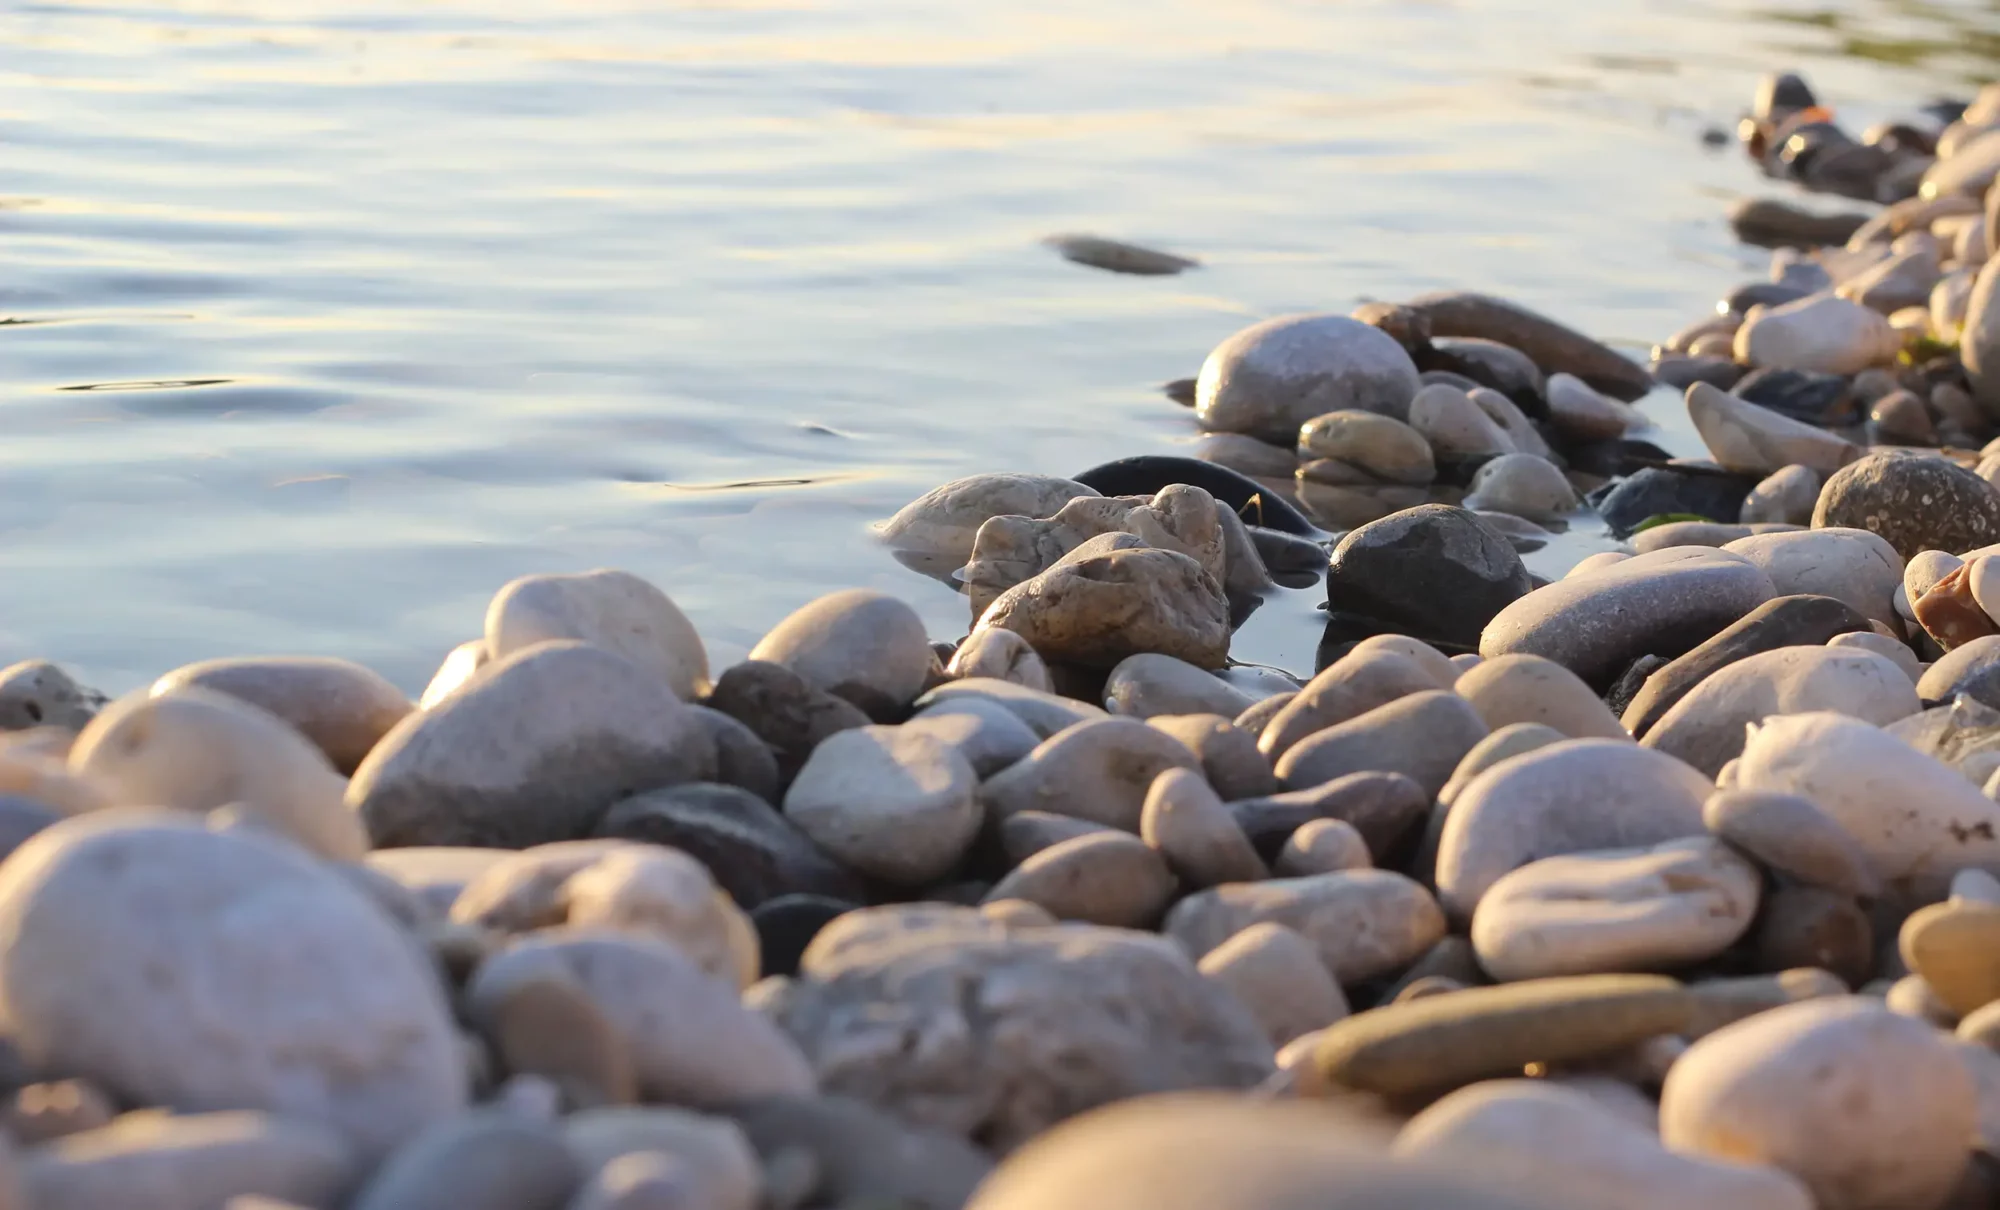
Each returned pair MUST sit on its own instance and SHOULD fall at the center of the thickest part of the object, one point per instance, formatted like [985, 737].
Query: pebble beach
[1669, 881]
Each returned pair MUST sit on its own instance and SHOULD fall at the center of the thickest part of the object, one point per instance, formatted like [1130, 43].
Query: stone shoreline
[1668, 883]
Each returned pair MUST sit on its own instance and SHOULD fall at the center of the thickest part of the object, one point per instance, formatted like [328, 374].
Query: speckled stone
[1917, 503]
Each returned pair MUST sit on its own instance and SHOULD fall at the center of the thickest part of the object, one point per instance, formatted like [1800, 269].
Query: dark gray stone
[1915, 502]
[1659, 490]
[1794, 621]
[864, 1155]
[786, 926]
[1804, 395]
[1971, 668]
[1490, 364]
[1761, 294]
[1680, 372]
[1433, 571]
[780, 708]
[1554, 347]
[1768, 223]
[1383, 807]
[742, 758]
[752, 850]
[21, 818]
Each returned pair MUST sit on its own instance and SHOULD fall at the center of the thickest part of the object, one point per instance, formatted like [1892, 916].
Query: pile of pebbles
[1668, 883]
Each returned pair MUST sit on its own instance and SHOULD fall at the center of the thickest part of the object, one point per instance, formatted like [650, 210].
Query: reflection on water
[323, 318]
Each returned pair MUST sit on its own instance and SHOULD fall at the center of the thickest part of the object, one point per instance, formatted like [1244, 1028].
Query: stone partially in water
[1655, 491]
[1009, 550]
[1382, 446]
[939, 526]
[1116, 256]
[1917, 503]
[1270, 378]
[1552, 346]
[1097, 611]
[37, 693]
[1436, 570]
[1524, 485]
[1450, 424]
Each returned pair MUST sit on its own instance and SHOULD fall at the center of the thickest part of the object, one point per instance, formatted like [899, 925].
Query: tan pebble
[1202, 843]
[1348, 688]
[1955, 946]
[1911, 996]
[1001, 655]
[1026, 833]
[1322, 846]
[1109, 878]
[1792, 835]
[1429, 985]
[1017, 913]
[41, 1112]
[342, 707]
[1278, 974]
[550, 1027]
[1365, 923]
[1982, 1027]
[1511, 689]
[1228, 754]
[1720, 1002]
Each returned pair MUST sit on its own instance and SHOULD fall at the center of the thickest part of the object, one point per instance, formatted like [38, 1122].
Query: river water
[321, 319]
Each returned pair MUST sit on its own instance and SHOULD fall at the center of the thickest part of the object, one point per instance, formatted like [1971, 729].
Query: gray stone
[1786, 495]
[1109, 878]
[1851, 565]
[1791, 835]
[488, 1159]
[533, 749]
[937, 529]
[1450, 423]
[1524, 485]
[865, 646]
[1006, 656]
[1439, 571]
[865, 1155]
[612, 610]
[1026, 833]
[1794, 621]
[989, 736]
[742, 758]
[1201, 841]
[892, 803]
[1365, 923]
[1142, 686]
[141, 954]
[194, 1162]
[1098, 771]
[780, 708]
[1004, 1014]
[37, 693]
[1228, 754]
[1743, 436]
[1706, 727]
[1270, 378]
[1663, 604]
[1422, 736]
[1383, 807]
[1043, 711]
[1914, 501]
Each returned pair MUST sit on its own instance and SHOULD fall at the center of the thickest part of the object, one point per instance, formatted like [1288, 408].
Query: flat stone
[691, 1041]
[1098, 770]
[865, 1154]
[1439, 571]
[187, 1162]
[1915, 502]
[1560, 1140]
[1513, 689]
[484, 1158]
[1382, 807]
[1438, 1043]
[1365, 923]
[1786, 495]
[1918, 820]
[1663, 604]
[894, 804]
[1197, 836]
[1790, 621]
[616, 885]
[1096, 611]
[780, 708]
[197, 750]
[1005, 656]
[531, 750]
[141, 950]
[1791, 835]
[615, 611]
[1421, 735]
[1745, 437]
[1554, 348]
[1570, 797]
[1228, 754]
[1277, 973]
[1867, 1108]
[1142, 686]
[1953, 946]
[1348, 688]
[1109, 878]
[1771, 223]
[1008, 1011]
[1823, 333]
[1607, 911]
[1706, 727]
[1270, 378]
[865, 646]
[938, 527]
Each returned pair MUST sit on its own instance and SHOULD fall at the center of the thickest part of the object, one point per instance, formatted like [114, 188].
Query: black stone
[1293, 561]
[1491, 364]
[1768, 223]
[742, 758]
[783, 710]
[1781, 93]
[1618, 456]
[1915, 502]
[1658, 490]
[1680, 372]
[1145, 474]
[786, 926]
[1815, 398]
[1434, 570]
[1180, 390]
[753, 852]
[1761, 294]
[1794, 621]
[1628, 684]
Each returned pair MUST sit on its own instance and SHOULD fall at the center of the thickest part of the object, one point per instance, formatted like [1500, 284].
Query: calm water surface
[320, 319]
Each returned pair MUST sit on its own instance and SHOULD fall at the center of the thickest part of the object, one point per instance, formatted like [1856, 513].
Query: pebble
[1552, 346]
[1869, 1109]
[1915, 502]
[1770, 223]
[1662, 603]
[1847, 565]
[1706, 727]
[1955, 946]
[1438, 1043]
[1099, 771]
[342, 707]
[1116, 256]
[1044, 712]
[1950, 613]
[752, 850]
[1380, 446]
[1785, 495]
[1272, 377]
[195, 1161]
[1720, 1002]
[1365, 923]
[878, 977]
[1381, 806]
[1823, 333]
[1026, 833]
[787, 925]
[615, 611]
[1000, 655]
[1918, 820]
[1228, 754]
[1420, 735]
[36, 693]
[1791, 835]
[1523, 485]
[865, 646]
[865, 1155]
[1096, 611]
[1491, 364]
[1144, 685]
[742, 758]
[1322, 846]
[990, 737]
[551, 1028]
[198, 750]
[711, 1155]
[1912, 997]
[640, 1180]
[1452, 425]
[891, 803]
[618, 885]
[531, 751]
[1684, 533]
[1745, 437]
[937, 529]
[1979, 343]
[1560, 1140]
[1793, 621]
[1513, 739]
[777, 705]
[689, 1039]
[1896, 651]
[1901, 418]
[141, 953]
[1438, 570]
[1571, 797]
[1107, 877]
[1187, 825]
[1513, 689]
[1182, 518]
[1902, 280]
[483, 1158]
[1278, 974]
[1614, 910]
[1245, 455]
[1630, 502]
[38, 1113]
[1583, 414]
[1348, 688]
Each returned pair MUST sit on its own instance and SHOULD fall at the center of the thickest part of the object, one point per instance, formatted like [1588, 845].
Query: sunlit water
[323, 318]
